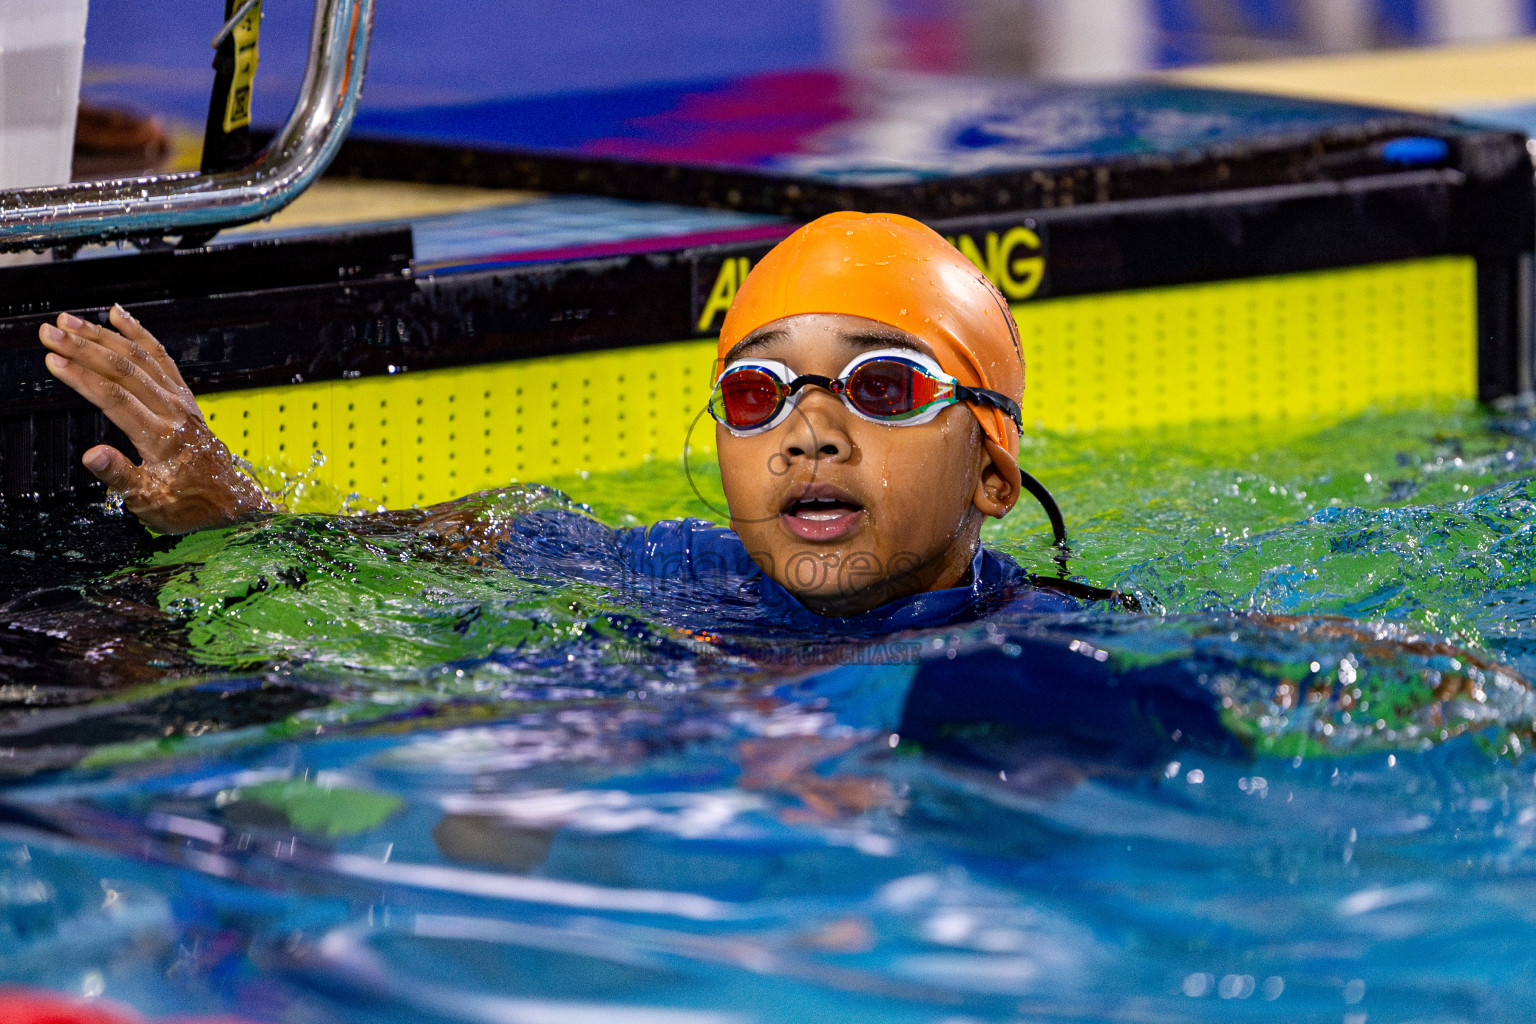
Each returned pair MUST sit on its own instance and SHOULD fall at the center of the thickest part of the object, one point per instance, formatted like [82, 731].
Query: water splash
[301, 489]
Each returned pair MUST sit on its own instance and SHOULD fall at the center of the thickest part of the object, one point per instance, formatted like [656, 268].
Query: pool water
[324, 768]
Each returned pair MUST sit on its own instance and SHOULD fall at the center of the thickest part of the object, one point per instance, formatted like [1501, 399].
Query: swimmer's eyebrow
[749, 344]
[860, 338]
[880, 339]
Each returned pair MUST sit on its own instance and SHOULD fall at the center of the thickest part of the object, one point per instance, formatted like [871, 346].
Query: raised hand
[188, 480]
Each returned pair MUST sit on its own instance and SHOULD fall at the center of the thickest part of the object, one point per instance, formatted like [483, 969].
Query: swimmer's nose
[817, 428]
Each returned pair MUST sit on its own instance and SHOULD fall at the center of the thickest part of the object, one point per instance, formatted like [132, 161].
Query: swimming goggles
[900, 387]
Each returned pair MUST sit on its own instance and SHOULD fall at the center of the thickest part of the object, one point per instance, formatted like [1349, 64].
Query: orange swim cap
[898, 272]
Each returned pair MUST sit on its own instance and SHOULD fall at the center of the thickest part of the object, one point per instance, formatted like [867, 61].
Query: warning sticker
[237, 112]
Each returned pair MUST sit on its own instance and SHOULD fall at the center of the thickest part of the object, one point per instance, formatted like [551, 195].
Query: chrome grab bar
[196, 204]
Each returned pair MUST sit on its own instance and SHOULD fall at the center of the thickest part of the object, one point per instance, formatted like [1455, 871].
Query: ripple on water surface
[326, 768]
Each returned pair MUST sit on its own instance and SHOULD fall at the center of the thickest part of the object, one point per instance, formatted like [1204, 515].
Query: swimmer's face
[844, 513]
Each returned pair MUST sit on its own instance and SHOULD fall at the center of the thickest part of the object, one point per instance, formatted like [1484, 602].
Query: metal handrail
[192, 203]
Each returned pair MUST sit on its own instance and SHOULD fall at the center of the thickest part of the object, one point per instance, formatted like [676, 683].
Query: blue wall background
[156, 51]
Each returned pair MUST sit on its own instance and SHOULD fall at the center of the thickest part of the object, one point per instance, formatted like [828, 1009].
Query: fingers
[136, 334]
[122, 357]
[110, 363]
[111, 467]
[150, 433]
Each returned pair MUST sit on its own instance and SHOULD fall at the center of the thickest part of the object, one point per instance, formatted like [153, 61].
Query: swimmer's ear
[997, 490]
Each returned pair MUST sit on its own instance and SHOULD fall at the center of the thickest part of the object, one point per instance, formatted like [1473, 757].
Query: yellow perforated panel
[1318, 346]
[1303, 348]
[417, 438]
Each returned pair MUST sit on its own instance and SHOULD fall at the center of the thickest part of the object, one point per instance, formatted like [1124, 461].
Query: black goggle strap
[1010, 408]
[992, 399]
[1086, 591]
[1038, 490]
[1052, 512]
[1063, 585]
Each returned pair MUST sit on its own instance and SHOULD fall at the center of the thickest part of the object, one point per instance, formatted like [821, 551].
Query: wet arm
[514, 527]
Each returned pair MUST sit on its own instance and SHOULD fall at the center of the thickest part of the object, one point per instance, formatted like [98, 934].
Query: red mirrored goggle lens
[747, 398]
[886, 389]
[892, 388]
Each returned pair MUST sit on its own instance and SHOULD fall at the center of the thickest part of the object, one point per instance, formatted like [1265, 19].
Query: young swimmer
[867, 425]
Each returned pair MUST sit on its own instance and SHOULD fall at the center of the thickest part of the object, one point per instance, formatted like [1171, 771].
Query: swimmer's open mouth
[821, 512]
